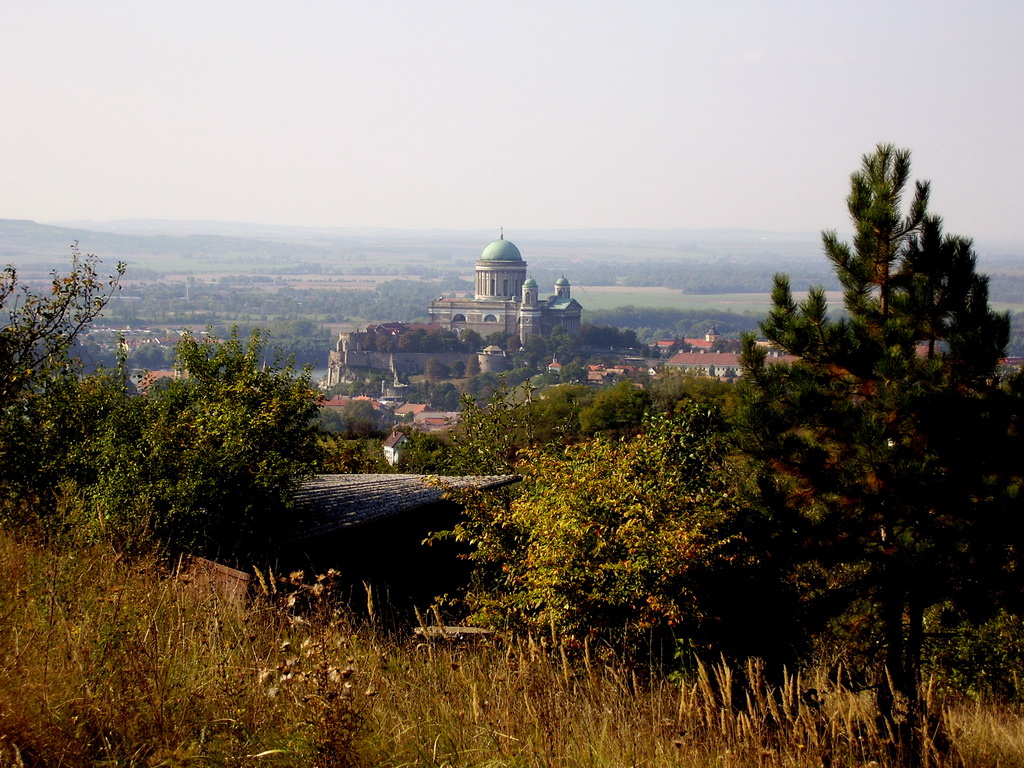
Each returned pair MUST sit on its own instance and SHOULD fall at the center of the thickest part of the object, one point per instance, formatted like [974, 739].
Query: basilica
[507, 301]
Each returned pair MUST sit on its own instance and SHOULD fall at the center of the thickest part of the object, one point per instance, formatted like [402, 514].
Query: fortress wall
[378, 361]
[406, 363]
[414, 363]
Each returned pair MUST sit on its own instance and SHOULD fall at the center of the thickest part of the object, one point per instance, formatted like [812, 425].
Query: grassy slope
[110, 663]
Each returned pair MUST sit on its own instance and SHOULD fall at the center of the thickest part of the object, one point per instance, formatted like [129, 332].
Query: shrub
[606, 537]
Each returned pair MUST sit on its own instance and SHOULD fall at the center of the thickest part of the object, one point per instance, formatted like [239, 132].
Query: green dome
[501, 250]
[530, 283]
[562, 281]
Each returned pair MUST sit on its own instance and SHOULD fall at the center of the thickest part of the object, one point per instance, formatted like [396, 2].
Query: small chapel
[507, 301]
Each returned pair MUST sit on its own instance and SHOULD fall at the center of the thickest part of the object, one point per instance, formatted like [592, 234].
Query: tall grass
[112, 663]
[105, 662]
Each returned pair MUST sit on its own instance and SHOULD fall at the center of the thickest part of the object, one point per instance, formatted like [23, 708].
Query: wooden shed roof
[328, 504]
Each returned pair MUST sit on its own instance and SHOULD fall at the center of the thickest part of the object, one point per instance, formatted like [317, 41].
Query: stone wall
[404, 364]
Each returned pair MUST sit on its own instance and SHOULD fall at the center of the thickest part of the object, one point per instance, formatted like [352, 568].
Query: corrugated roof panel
[327, 504]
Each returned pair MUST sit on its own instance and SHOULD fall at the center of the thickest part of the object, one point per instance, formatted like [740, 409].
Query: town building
[722, 365]
[717, 365]
[393, 447]
[507, 301]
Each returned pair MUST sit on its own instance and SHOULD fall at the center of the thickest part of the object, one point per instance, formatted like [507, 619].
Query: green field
[610, 297]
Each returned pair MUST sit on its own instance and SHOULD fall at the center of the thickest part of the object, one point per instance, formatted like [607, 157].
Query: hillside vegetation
[820, 566]
[107, 662]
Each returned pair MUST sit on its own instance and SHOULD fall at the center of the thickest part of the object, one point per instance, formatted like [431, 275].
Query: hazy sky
[557, 114]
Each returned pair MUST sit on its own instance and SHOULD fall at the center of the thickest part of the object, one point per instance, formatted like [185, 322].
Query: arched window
[459, 319]
[490, 319]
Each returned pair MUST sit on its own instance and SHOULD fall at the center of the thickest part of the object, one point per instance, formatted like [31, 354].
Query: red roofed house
[152, 377]
[436, 421]
[718, 365]
[409, 409]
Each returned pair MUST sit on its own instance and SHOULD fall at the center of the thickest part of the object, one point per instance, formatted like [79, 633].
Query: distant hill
[42, 247]
[27, 240]
[364, 234]
[694, 261]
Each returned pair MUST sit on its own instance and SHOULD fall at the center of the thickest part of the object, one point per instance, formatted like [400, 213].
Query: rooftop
[327, 504]
[501, 250]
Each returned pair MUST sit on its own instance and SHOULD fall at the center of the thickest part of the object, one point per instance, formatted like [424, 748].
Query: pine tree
[890, 445]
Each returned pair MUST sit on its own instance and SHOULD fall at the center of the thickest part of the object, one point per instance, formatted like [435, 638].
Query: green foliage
[606, 538]
[978, 660]
[352, 456]
[482, 386]
[618, 409]
[226, 446]
[38, 330]
[572, 373]
[607, 337]
[355, 419]
[670, 390]
[424, 453]
[536, 352]
[556, 413]
[444, 396]
[489, 436]
[436, 370]
[37, 378]
[889, 450]
[206, 463]
[58, 442]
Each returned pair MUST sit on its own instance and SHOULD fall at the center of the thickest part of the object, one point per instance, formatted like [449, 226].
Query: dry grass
[526, 706]
[105, 663]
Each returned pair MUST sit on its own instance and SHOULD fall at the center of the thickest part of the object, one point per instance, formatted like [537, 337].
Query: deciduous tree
[38, 329]
[620, 408]
[206, 463]
[37, 332]
[227, 446]
[606, 538]
[435, 370]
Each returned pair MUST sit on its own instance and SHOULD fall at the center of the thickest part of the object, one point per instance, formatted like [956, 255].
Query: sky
[562, 114]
